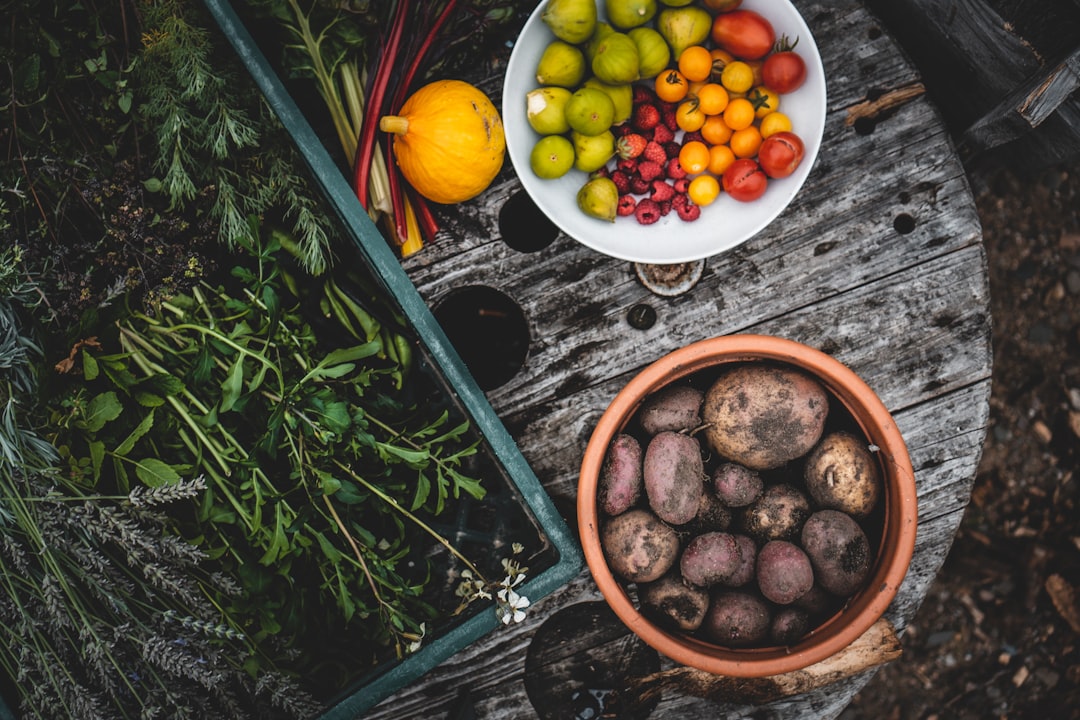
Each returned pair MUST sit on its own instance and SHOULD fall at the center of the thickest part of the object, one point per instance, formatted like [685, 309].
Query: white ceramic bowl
[723, 224]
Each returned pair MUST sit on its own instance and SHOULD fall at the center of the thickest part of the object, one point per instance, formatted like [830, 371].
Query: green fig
[561, 64]
[654, 55]
[591, 152]
[621, 95]
[552, 157]
[684, 26]
[545, 109]
[676, 3]
[599, 198]
[572, 21]
[616, 59]
[590, 111]
[602, 31]
[626, 14]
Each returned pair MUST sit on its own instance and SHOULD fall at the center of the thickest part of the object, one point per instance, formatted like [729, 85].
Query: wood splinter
[871, 109]
[877, 646]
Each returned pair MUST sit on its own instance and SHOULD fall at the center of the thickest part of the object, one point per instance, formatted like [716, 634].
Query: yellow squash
[448, 141]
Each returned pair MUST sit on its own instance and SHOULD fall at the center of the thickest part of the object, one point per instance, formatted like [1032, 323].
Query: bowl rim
[898, 537]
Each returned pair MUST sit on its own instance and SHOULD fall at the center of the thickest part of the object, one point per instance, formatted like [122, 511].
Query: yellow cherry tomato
[694, 157]
[695, 63]
[737, 77]
[720, 159]
[739, 114]
[712, 98]
[715, 130]
[688, 115]
[773, 123]
[671, 86]
[764, 100]
[703, 189]
[745, 143]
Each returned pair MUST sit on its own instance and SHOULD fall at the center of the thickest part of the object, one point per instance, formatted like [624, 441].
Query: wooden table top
[878, 262]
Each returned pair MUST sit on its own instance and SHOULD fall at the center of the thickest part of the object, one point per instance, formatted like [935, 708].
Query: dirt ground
[998, 635]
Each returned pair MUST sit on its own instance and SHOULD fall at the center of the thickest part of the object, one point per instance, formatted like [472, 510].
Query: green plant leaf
[101, 409]
[233, 384]
[141, 429]
[90, 366]
[97, 456]
[155, 473]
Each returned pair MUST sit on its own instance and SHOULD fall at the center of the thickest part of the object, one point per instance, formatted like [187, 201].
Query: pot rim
[898, 538]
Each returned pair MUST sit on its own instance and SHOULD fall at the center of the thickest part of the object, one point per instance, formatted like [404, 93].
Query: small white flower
[415, 644]
[517, 548]
[511, 607]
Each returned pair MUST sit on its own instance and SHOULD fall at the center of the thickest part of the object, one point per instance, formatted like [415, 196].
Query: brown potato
[736, 485]
[620, 482]
[710, 559]
[842, 474]
[784, 573]
[674, 475]
[737, 619]
[712, 515]
[674, 408]
[674, 603]
[778, 514]
[839, 551]
[763, 416]
[639, 547]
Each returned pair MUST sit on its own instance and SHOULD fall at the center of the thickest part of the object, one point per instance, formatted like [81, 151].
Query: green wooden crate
[566, 560]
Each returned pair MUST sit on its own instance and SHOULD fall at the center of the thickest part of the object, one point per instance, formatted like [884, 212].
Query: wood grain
[878, 262]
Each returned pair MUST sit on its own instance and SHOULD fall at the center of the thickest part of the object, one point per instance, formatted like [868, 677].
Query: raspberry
[627, 205]
[647, 211]
[668, 117]
[695, 135]
[649, 170]
[672, 149]
[643, 94]
[681, 185]
[626, 165]
[688, 211]
[665, 207]
[661, 191]
[622, 130]
[662, 134]
[639, 185]
[645, 117]
[621, 180]
[631, 145]
[655, 153]
[674, 169]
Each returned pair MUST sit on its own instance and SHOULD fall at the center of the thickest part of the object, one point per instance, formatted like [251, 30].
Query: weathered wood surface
[879, 262]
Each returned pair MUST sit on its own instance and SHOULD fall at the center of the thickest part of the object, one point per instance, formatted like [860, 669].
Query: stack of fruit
[664, 107]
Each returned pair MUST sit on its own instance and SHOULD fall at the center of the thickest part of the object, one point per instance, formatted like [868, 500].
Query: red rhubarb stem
[365, 148]
[429, 225]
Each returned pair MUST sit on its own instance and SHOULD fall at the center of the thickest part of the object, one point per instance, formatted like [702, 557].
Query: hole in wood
[488, 330]
[903, 223]
[864, 126]
[524, 226]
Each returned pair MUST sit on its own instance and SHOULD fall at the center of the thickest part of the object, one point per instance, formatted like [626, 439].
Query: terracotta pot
[897, 539]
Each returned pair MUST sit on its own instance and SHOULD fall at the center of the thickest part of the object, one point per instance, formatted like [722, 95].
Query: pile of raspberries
[647, 172]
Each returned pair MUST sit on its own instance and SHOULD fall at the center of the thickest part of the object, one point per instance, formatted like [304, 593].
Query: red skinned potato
[674, 603]
[778, 514]
[839, 551]
[710, 559]
[639, 548]
[735, 485]
[674, 476]
[748, 562]
[763, 416]
[712, 515]
[842, 474]
[737, 619]
[620, 482]
[674, 407]
[789, 624]
[784, 573]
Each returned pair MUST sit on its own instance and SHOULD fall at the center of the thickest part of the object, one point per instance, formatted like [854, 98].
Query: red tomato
[783, 71]
[780, 154]
[744, 181]
[744, 34]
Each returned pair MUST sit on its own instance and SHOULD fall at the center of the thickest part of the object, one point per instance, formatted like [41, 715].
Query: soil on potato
[998, 635]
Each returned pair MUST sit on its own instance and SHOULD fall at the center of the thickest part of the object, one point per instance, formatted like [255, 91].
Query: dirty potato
[778, 514]
[638, 546]
[842, 474]
[674, 407]
[674, 603]
[763, 416]
[737, 619]
[839, 551]
[736, 485]
[620, 481]
[784, 573]
[674, 476]
[710, 559]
